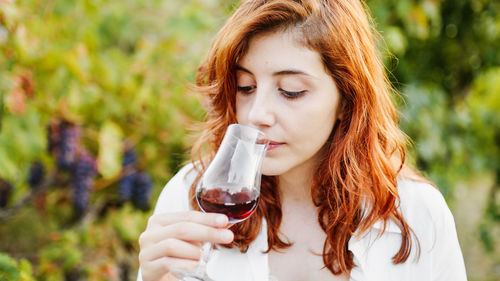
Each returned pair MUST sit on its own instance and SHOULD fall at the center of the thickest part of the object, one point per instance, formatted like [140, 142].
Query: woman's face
[284, 90]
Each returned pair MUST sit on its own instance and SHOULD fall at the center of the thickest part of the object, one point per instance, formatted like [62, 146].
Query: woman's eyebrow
[291, 72]
[241, 68]
[278, 73]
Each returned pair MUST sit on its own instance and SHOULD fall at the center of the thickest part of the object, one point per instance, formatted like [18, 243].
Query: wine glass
[231, 183]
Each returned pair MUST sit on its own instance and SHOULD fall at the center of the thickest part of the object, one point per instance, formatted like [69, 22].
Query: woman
[337, 200]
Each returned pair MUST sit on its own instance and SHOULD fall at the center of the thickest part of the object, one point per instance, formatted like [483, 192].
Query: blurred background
[95, 119]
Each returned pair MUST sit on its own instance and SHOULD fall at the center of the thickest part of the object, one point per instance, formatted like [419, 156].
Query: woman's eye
[292, 95]
[245, 90]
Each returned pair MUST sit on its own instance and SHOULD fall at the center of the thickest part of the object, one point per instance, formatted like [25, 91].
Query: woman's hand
[174, 240]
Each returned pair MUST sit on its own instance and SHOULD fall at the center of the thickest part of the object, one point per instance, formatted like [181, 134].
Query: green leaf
[8, 268]
[128, 224]
[486, 91]
[396, 40]
[8, 168]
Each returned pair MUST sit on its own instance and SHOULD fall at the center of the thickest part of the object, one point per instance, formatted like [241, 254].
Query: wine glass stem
[205, 254]
[202, 264]
[199, 273]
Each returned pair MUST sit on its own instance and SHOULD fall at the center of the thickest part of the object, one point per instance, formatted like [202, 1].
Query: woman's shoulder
[421, 204]
[419, 196]
[425, 210]
[175, 194]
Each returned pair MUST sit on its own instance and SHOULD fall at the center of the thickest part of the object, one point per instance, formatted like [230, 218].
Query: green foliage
[119, 70]
[12, 270]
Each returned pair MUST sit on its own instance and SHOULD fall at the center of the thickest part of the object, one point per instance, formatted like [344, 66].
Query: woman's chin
[268, 169]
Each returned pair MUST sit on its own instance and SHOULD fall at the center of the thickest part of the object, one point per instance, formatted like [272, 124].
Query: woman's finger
[157, 269]
[209, 219]
[173, 248]
[187, 231]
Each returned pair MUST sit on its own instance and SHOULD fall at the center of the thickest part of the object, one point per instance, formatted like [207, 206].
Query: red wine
[236, 206]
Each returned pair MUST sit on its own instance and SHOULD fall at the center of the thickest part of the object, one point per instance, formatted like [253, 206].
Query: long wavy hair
[356, 182]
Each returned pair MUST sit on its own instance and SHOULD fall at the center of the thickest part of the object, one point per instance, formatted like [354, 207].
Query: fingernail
[221, 220]
[227, 236]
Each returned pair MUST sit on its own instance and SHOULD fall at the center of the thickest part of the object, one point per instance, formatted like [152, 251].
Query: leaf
[8, 168]
[26, 270]
[486, 91]
[128, 224]
[110, 150]
[8, 268]
[396, 40]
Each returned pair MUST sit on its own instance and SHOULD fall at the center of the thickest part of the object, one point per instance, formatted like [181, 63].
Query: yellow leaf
[110, 150]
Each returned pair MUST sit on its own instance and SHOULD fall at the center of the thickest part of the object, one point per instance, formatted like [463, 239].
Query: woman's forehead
[279, 50]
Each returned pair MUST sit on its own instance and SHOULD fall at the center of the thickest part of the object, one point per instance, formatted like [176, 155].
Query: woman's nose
[262, 113]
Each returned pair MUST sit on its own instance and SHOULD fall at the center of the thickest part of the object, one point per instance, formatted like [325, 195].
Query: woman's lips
[273, 145]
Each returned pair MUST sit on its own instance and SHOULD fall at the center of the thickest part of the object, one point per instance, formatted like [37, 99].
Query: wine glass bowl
[231, 183]
[237, 206]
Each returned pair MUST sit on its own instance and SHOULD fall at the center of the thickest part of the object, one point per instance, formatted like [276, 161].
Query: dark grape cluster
[125, 187]
[64, 143]
[141, 191]
[134, 185]
[126, 184]
[63, 140]
[36, 175]
[138, 188]
[129, 158]
[5, 190]
[69, 136]
[84, 171]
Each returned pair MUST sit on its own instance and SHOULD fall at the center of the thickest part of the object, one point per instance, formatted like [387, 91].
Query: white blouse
[422, 206]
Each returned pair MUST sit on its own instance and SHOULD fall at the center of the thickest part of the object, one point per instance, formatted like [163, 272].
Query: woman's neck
[295, 185]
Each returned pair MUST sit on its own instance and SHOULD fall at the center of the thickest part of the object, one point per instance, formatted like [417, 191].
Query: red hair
[356, 182]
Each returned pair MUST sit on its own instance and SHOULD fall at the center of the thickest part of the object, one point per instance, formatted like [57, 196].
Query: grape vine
[77, 167]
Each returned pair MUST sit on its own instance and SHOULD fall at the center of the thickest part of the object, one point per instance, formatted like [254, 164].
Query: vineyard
[96, 116]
